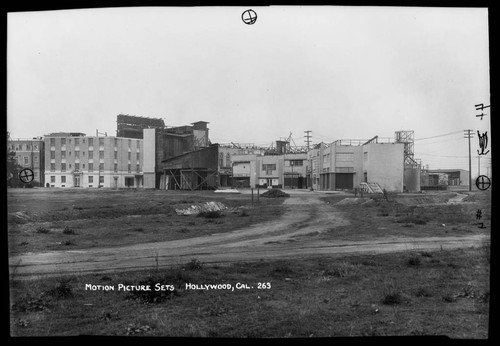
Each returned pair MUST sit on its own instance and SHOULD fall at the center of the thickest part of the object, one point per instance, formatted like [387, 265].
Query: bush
[392, 298]
[68, 230]
[42, 229]
[194, 264]
[210, 214]
[413, 261]
[275, 193]
[62, 290]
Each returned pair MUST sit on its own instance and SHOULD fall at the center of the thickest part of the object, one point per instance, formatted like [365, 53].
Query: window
[69, 141]
[77, 166]
[83, 153]
[83, 166]
[63, 154]
[63, 167]
[221, 160]
[26, 160]
[343, 157]
[70, 165]
[138, 156]
[101, 154]
[138, 168]
[116, 167]
[116, 142]
[101, 141]
[77, 141]
[63, 179]
[129, 168]
[91, 142]
[91, 167]
[91, 179]
[91, 154]
[101, 167]
[69, 153]
[138, 143]
[36, 174]
[83, 140]
[35, 159]
[52, 142]
[129, 155]
[36, 147]
[269, 167]
[101, 179]
[365, 156]
[52, 179]
[228, 160]
[52, 167]
[63, 141]
[116, 154]
[52, 155]
[129, 142]
[344, 169]
[296, 162]
[77, 154]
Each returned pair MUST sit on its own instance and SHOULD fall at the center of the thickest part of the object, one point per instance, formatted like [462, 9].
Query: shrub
[62, 290]
[423, 292]
[194, 264]
[413, 261]
[210, 214]
[244, 213]
[392, 298]
[42, 229]
[282, 268]
[68, 230]
[275, 193]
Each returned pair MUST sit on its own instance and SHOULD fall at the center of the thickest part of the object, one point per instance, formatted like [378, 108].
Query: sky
[340, 72]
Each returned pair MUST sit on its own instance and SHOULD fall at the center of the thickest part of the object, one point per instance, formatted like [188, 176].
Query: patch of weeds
[413, 219]
[484, 297]
[392, 298]
[138, 229]
[41, 229]
[342, 269]
[244, 213]
[448, 298]
[413, 261]
[184, 230]
[68, 243]
[423, 292]
[210, 214]
[425, 254]
[407, 225]
[453, 265]
[62, 290]
[24, 243]
[282, 268]
[191, 223]
[194, 264]
[137, 330]
[29, 303]
[383, 212]
[68, 230]
[105, 278]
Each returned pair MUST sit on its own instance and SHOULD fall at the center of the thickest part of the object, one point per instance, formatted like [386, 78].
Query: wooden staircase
[371, 188]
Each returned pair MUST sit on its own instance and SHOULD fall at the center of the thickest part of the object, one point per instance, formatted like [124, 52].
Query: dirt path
[274, 239]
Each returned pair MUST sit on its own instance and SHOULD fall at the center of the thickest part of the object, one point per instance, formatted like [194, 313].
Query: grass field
[414, 292]
[417, 293]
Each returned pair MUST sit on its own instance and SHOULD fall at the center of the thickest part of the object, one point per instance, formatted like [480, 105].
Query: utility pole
[479, 165]
[308, 136]
[469, 134]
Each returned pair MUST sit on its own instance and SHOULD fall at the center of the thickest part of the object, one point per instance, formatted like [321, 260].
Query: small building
[30, 153]
[77, 160]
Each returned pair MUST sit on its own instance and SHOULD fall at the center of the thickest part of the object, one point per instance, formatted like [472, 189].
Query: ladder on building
[371, 187]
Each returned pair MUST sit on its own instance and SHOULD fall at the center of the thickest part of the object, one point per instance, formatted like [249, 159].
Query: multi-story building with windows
[77, 160]
[29, 153]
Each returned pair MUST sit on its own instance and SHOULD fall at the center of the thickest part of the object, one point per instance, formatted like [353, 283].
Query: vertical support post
[252, 196]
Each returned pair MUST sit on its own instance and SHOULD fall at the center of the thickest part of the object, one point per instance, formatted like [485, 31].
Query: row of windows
[90, 155]
[25, 160]
[269, 167]
[76, 167]
[295, 162]
[63, 179]
[22, 147]
[90, 141]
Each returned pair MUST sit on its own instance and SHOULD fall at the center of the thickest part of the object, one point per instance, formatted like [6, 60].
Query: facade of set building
[279, 171]
[345, 165]
[443, 177]
[166, 143]
[77, 160]
[30, 153]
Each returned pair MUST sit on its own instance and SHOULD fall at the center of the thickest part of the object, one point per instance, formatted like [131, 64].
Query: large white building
[77, 160]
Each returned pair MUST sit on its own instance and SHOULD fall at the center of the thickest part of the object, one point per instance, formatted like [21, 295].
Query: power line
[445, 134]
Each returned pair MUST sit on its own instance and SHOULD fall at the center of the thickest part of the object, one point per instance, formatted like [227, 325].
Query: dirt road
[285, 237]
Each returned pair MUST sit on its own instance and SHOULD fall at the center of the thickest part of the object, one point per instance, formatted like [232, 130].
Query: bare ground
[292, 235]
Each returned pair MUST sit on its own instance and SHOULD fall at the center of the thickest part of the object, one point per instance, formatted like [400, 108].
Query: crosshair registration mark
[249, 17]
[483, 182]
[26, 175]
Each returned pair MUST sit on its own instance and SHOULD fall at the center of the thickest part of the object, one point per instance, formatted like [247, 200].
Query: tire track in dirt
[272, 240]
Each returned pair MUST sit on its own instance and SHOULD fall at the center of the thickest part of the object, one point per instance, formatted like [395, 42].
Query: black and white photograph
[262, 172]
